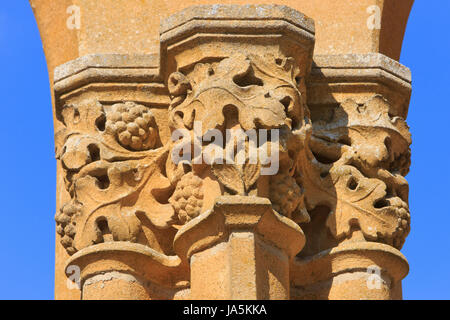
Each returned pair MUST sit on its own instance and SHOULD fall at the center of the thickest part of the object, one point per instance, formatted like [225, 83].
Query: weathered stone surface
[240, 250]
[132, 26]
[341, 273]
[313, 182]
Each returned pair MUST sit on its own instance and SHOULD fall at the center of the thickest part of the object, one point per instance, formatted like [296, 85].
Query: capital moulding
[337, 77]
[143, 272]
[351, 70]
[139, 225]
[341, 273]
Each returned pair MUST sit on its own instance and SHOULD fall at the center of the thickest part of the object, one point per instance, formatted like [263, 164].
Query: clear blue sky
[27, 190]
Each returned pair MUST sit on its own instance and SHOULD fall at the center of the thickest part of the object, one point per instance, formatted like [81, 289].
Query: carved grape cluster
[133, 125]
[285, 194]
[65, 225]
[187, 199]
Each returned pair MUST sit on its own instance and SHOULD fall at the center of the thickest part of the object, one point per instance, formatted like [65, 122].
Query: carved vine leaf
[246, 92]
[250, 174]
[358, 157]
[355, 200]
[262, 89]
[238, 178]
[230, 176]
[361, 196]
[113, 173]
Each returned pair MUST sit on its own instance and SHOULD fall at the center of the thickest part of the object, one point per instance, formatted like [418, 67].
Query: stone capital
[229, 151]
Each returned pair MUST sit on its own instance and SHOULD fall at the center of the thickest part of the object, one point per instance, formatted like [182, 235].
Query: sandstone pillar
[240, 250]
[316, 84]
[360, 151]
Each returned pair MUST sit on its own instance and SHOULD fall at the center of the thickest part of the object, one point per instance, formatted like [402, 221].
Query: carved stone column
[157, 199]
[241, 249]
[356, 192]
[117, 224]
[234, 68]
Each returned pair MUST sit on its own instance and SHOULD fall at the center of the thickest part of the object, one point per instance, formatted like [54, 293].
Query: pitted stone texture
[125, 206]
[363, 61]
[238, 12]
[336, 78]
[132, 26]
